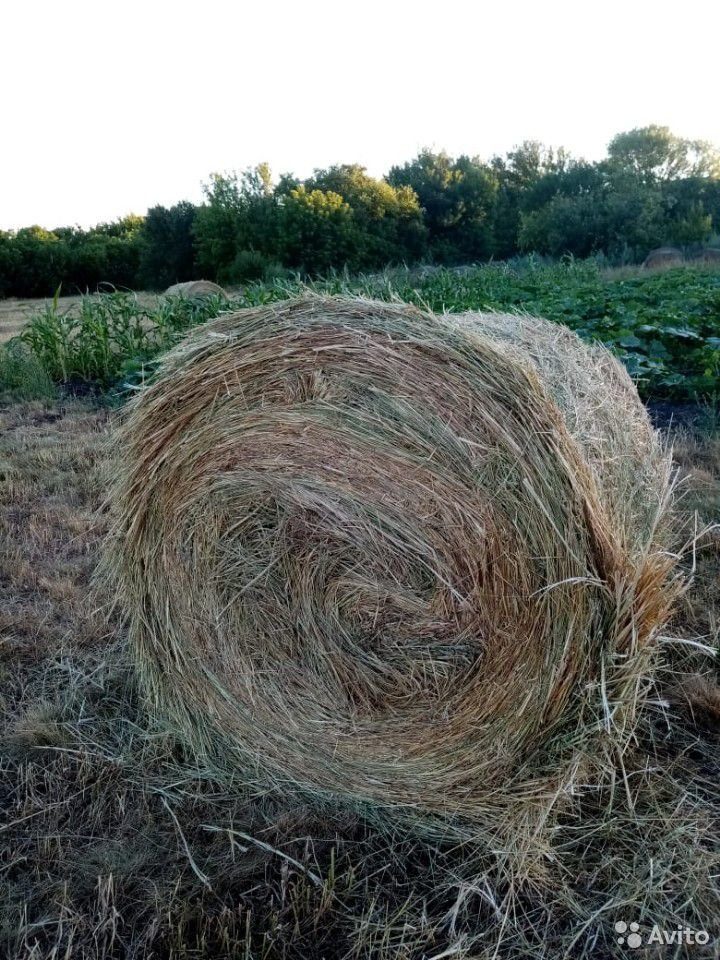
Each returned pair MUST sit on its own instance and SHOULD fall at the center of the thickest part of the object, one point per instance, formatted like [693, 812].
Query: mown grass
[665, 326]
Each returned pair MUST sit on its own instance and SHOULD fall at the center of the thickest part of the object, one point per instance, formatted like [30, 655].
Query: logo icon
[633, 938]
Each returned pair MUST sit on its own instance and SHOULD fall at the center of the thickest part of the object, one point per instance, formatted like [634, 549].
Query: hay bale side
[663, 257]
[195, 289]
[365, 557]
[602, 410]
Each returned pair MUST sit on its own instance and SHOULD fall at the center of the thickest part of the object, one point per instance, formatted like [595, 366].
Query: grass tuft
[22, 375]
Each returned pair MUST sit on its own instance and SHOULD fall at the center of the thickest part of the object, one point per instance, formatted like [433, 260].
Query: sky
[110, 107]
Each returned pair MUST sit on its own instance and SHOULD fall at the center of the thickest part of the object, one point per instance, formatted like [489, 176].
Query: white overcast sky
[111, 106]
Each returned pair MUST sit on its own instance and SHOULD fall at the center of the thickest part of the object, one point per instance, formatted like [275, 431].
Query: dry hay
[412, 562]
[194, 289]
[663, 257]
[602, 410]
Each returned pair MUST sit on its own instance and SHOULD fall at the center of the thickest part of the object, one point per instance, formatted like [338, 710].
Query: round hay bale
[663, 257]
[373, 554]
[195, 289]
[711, 255]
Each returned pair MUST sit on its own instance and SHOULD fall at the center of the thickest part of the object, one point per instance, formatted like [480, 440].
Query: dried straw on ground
[415, 563]
[194, 289]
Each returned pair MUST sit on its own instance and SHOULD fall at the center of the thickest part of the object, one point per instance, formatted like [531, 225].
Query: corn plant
[95, 344]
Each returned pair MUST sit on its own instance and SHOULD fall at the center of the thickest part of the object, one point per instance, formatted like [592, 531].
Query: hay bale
[602, 410]
[663, 257]
[402, 560]
[711, 256]
[195, 289]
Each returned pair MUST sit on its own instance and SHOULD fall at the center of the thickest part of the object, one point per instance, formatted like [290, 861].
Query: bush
[34, 262]
[247, 265]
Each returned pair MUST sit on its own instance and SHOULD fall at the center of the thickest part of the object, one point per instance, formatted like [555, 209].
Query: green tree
[387, 220]
[166, 246]
[518, 175]
[125, 228]
[655, 154]
[9, 263]
[216, 224]
[317, 231]
[239, 215]
[457, 197]
[42, 262]
[635, 219]
[693, 228]
[565, 224]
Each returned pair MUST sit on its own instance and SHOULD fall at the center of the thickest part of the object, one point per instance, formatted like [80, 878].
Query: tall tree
[166, 245]
[457, 197]
[387, 219]
[239, 216]
[655, 154]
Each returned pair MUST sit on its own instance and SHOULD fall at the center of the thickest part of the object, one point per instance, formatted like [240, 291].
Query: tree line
[652, 188]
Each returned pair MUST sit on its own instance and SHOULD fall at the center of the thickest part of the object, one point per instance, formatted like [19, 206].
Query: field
[664, 325]
[115, 843]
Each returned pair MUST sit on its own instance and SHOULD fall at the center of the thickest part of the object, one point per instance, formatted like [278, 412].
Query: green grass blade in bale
[393, 560]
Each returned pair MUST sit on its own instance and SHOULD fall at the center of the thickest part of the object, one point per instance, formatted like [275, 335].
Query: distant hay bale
[412, 562]
[663, 257]
[711, 255]
[194, 289]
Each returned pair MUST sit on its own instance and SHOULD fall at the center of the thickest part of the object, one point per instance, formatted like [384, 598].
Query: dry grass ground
[114, 844]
